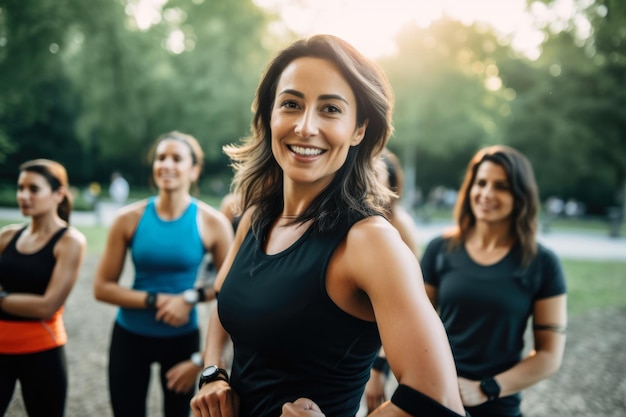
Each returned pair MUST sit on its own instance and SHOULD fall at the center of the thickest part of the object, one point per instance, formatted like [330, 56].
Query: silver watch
[196, 359]
[191, 296]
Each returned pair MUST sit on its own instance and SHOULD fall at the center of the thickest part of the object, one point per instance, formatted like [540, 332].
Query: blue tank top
[166, 256]
[290, 339]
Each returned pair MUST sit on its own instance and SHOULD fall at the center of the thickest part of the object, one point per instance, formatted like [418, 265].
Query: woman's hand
[181, 377]
[471, 394]
[375, 390]
[173, 310]
[302, 407]
[215, 399]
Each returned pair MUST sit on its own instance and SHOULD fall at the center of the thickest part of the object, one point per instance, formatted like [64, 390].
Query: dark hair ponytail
[56, 175]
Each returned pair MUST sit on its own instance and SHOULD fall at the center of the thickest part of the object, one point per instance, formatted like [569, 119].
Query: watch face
[190, 296]
[209, 370]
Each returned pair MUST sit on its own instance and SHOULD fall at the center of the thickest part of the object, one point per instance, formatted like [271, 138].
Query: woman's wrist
[151, 300]
[3, 295]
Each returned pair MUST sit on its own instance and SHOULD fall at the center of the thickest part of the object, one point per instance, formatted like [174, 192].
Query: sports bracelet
[417, 404]
[151, 300]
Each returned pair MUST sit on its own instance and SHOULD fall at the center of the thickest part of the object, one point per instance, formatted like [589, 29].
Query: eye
[289, 104]
[332, 109]
[502, 186]
[480, 183]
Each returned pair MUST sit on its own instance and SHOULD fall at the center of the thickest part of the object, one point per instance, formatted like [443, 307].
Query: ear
[359, 133]
[60, 194]
[195, 173]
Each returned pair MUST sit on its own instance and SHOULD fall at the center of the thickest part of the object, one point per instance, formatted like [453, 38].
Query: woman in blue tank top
[167, 236]
[317, 277]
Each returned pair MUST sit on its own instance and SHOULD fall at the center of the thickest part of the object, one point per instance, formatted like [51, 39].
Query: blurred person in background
[489, 276]
[119, 188]
[301, 293]
[39, 265]
[168, 236]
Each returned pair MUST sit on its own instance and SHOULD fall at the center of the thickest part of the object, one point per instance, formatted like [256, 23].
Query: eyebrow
[322, 97]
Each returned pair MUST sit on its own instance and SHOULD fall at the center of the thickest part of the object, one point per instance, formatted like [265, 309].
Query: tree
[448, 100]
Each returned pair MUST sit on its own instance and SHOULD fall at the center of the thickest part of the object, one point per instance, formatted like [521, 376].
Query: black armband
[381, 365]
[417, 404]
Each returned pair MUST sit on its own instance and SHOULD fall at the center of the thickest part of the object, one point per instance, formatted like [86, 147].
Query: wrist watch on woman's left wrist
[212, 373]
[194, 295]
[490, 387]
[196, 359]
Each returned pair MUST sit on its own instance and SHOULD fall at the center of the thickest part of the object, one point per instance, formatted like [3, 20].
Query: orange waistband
[32, 336]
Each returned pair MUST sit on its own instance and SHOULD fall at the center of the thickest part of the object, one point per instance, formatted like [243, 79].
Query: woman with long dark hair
[317, 277]
[39, 265]
[489, 276]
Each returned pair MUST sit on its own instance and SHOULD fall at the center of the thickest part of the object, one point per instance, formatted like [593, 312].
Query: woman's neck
[171, 206]
[490, 236]
[45, 223]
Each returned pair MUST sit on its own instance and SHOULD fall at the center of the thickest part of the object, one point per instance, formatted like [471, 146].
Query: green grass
[594, 285]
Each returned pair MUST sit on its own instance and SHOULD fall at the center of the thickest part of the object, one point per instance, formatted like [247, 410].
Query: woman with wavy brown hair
[301, 292]
[488, 276]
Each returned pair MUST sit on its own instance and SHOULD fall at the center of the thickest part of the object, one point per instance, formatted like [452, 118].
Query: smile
[300, 150]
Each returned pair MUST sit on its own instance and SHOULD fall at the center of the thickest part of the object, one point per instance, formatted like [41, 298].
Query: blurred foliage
[89, 85]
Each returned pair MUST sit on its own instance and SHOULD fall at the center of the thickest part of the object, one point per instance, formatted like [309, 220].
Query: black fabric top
[27, 273]
[485, 309]
[290, 339]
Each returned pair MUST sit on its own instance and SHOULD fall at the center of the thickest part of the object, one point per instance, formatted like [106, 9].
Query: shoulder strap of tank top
[55, 237]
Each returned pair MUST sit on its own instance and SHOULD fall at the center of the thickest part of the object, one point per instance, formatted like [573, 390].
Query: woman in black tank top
[39, 264]
[317, 277]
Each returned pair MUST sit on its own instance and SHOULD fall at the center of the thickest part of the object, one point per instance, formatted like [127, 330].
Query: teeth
[306, 151]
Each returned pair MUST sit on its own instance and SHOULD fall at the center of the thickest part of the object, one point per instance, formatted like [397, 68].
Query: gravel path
[591, 383]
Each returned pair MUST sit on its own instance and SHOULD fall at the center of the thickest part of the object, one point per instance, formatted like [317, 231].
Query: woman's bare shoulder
[7, 233]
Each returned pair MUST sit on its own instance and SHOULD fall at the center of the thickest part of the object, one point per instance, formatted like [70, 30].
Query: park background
[93, 83]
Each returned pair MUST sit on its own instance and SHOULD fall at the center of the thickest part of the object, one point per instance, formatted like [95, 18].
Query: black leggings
[130, 360]
[43, 379]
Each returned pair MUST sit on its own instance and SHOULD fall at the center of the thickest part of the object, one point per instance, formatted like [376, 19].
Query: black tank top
[27, 273]
[290, 339]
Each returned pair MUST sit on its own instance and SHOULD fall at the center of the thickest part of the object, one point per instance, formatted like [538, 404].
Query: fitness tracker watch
[151, 300]
[490, 387]
[196, 359]
[194, 295]
[191, 296]
[212, 373]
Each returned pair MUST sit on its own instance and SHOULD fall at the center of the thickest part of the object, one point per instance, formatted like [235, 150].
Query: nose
[164, 162]
[22, 194]
[487, 190]
[307, 124]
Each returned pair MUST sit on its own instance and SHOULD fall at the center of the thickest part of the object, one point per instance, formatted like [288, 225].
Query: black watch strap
[212, 373]
[151, 300]
[490, 387]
